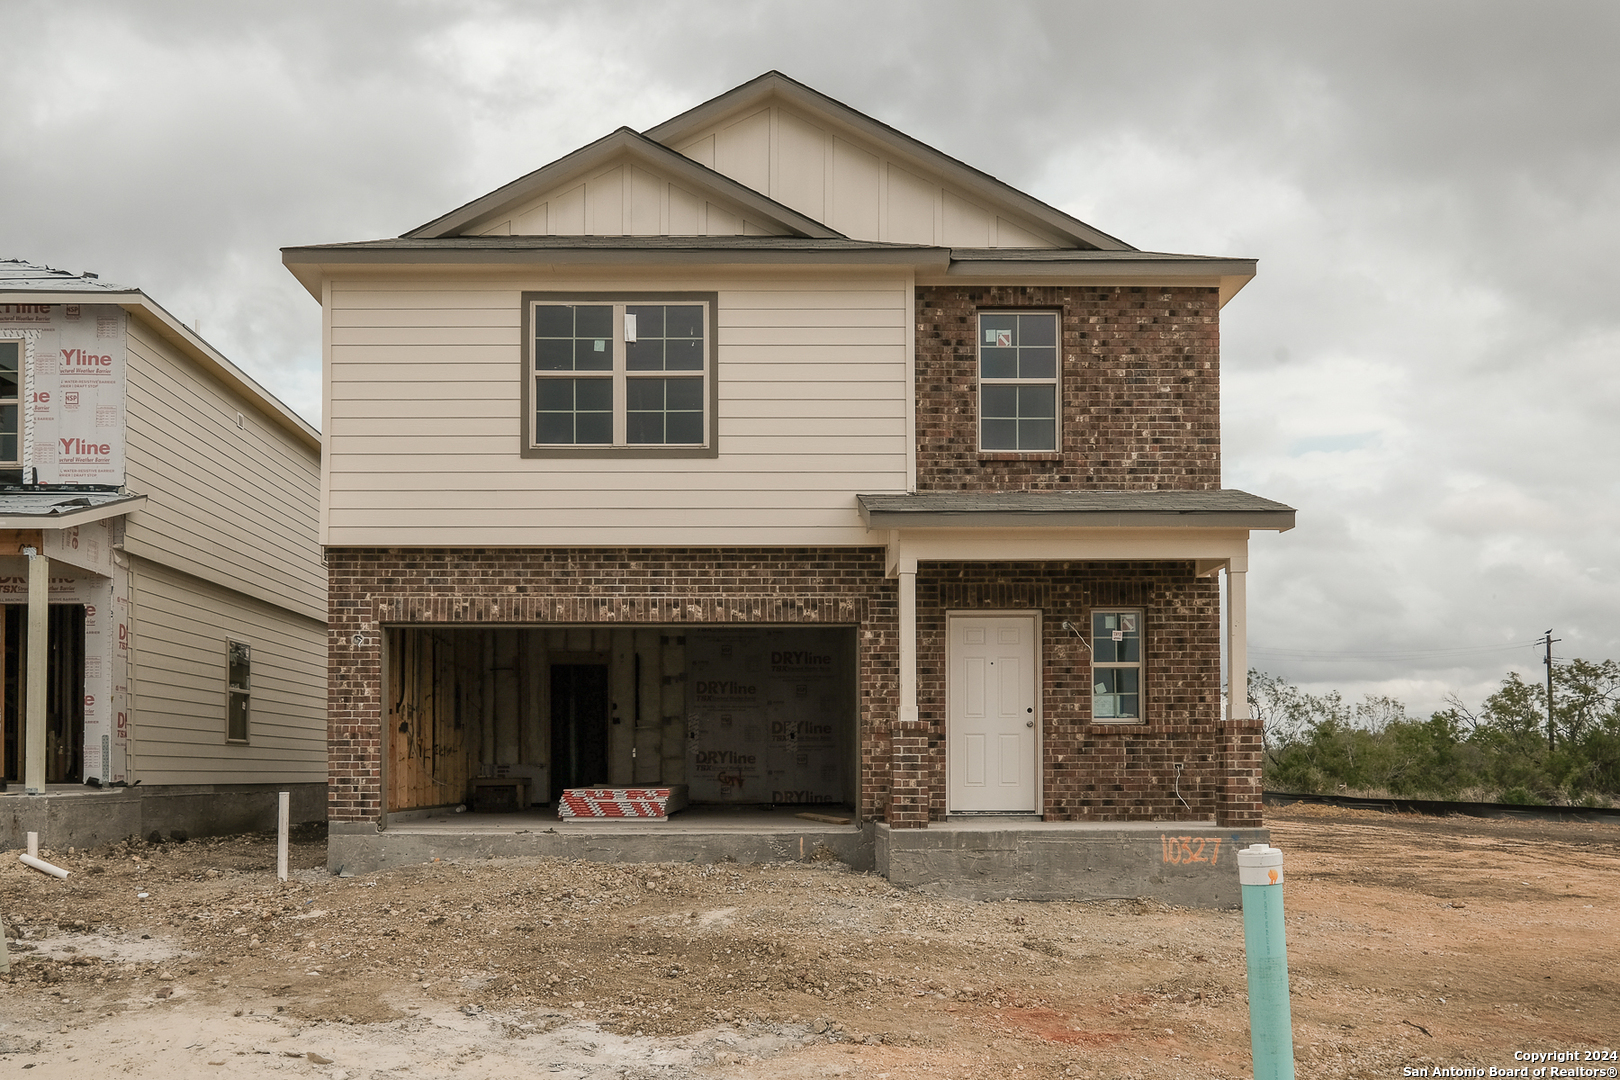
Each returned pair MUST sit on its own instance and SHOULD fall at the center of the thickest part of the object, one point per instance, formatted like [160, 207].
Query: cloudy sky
[1426, 366]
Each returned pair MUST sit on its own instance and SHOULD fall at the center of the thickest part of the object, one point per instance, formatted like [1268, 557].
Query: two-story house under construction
[776, 454]
[162, 598]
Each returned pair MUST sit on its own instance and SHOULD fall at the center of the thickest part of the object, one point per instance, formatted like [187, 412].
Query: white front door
[991, 722]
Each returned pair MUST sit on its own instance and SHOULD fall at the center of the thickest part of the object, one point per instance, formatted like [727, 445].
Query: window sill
[1017, 455]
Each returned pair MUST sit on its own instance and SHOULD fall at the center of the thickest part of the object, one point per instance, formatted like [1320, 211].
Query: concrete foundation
[1187, 863]
[84, 817]
[1191, 864]
[362, 848]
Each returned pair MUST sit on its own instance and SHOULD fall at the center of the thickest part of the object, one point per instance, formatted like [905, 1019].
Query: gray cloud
[1425, 366]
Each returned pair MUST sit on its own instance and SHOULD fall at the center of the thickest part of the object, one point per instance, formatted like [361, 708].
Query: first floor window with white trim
[11, 355]
[633, 373]
[238, 690]
[1116, 666]
[1018, 380]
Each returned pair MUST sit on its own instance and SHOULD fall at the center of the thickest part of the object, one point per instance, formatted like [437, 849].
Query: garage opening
[741, 715]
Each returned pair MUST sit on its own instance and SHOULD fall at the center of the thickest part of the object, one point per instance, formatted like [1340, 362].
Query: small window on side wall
[1116, 667]
[238, 690]
[1018, 381]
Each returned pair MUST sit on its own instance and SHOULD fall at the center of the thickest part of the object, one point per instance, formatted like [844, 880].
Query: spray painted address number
[1180, 850]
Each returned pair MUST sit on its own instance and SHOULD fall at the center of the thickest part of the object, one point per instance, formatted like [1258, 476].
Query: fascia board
[624, 141]
[176, 333]
[1042, 523]
[81, 516]
[71, 296]
[317, 262]
[903, 146]
[1227, 275]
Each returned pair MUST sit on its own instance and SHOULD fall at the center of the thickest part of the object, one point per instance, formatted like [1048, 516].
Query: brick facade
[374, 587]
[1140, 411]
[1140, 390]
[1094, 772]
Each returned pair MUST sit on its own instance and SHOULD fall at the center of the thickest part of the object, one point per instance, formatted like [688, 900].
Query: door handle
[1029, 723]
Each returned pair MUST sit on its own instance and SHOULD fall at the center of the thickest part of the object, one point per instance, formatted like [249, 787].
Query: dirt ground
[1413, 943]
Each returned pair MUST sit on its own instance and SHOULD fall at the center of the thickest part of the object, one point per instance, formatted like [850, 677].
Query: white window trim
[1139, 665]
[620, 447]
[1056, 381]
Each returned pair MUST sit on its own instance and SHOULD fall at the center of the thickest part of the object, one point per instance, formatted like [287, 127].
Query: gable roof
[624, 144]
[774, 84]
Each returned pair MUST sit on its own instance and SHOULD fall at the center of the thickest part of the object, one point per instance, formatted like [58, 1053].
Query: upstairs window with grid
[608, 374]
[1018, 381]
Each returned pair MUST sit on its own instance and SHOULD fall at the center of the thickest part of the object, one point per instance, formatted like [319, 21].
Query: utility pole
[1547, 639]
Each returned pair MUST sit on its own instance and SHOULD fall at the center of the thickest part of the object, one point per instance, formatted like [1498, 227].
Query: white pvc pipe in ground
[42, 865]
[282, 814]
[33, 844]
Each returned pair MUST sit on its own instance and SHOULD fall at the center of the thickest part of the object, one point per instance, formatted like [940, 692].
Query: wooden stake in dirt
[281, 836]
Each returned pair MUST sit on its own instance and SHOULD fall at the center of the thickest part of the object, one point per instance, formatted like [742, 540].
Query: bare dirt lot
[1413, 943]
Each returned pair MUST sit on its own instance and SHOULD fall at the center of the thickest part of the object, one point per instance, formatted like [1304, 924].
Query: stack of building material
[608, 804]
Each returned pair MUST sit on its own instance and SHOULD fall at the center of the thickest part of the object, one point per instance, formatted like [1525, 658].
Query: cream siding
[423, 425]
[619, 200]
[235, 505]
[180, 627]
[864, 190]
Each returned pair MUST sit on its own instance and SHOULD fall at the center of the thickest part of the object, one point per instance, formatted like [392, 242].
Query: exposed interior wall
[743, 715]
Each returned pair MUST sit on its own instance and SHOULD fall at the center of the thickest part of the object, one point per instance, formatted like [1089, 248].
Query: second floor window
[609, 374]
[10, 403]
[1018, 380]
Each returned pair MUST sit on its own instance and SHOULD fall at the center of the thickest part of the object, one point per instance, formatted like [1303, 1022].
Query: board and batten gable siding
[423, 423]
[235, 505]
[178, 684]
[621, 200]
[851, 184]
